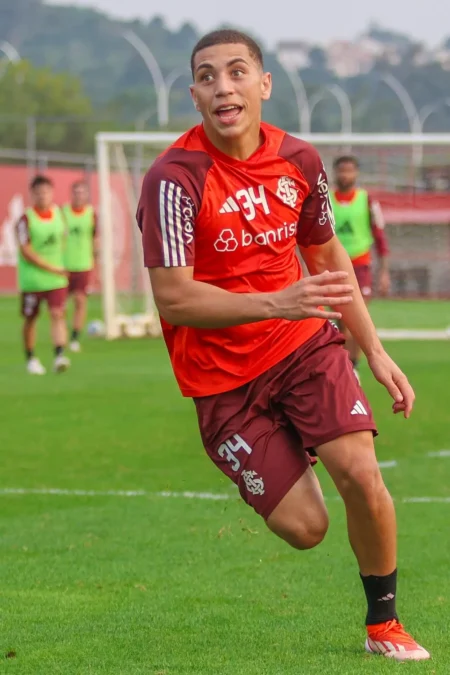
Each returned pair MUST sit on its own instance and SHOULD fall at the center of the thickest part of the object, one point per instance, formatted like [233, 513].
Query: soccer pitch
[146, 580]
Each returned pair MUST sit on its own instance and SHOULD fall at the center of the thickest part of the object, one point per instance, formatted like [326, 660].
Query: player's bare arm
[384, 278]
[31, 256]
[378, 229]
[183, 301]
[332, 256]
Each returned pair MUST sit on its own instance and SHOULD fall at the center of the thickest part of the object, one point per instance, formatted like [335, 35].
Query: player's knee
[309, 535]
[362, 480]
[303, 532]
[57, 313]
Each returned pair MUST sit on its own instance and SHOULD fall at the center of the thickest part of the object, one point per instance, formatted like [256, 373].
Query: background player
[359, 223]
[221, 212]
[40, 233]
[80, 253]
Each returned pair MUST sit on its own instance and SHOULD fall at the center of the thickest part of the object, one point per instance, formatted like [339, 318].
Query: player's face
[80, 196]
[228, 90]
[346, 175]
[43, 197]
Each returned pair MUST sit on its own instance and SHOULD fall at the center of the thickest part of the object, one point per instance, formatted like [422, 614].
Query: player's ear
[194, 97]
[266, 86]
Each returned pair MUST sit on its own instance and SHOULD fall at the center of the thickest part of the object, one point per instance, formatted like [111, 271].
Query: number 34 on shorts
[228, 451]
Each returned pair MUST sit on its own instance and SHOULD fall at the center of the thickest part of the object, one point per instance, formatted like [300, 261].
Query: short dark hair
[40, 180]
[228, 36]
[346, 159]
[79, 183]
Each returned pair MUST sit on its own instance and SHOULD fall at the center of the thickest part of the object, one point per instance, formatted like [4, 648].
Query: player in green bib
[79, 257]
[359, 225]
[41, 272]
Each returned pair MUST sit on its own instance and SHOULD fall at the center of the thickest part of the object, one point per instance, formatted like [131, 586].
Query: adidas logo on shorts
[359, 409]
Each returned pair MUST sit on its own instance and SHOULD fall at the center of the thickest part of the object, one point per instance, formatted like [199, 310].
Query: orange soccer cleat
[391, 640]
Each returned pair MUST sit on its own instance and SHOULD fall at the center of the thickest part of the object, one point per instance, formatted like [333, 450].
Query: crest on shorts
[287, 191]
[254, 484]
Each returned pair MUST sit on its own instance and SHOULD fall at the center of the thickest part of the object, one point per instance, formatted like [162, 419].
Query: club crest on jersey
[287, 191]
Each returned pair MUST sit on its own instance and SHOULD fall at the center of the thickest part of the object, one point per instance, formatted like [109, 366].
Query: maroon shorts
[31, 302]
[364, 278]
[262, 434]
[79, 282]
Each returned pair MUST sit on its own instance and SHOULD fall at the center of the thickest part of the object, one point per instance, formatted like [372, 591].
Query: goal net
[408, 174]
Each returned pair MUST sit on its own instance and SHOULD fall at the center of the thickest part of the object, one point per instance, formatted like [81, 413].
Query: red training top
[237, 223]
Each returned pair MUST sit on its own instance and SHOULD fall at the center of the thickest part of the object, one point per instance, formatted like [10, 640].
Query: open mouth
[228, 114]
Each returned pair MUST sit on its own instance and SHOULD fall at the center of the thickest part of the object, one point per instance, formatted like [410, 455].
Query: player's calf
[352, 464]
[59, 338]
[80, 302]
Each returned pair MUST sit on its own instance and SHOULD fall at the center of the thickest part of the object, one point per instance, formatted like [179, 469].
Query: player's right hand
[304, 299]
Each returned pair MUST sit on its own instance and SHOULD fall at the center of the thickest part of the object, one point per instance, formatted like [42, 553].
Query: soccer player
[40, 234]
[80, 252]
[358, 223]
[221, 213]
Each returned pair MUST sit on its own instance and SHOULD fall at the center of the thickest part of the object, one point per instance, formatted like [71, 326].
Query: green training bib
[353, 223]
[79, 252]
[47, 240]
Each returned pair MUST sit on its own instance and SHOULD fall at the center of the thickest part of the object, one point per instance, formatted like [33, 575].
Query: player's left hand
[384, 283]
[389, 374]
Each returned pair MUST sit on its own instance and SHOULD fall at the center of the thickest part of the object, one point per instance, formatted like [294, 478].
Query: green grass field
[109, 584]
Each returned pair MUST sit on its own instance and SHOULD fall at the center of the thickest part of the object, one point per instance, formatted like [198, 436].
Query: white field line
[425, 500]
[209, 496]
[401, 334]
[111, 493]
[388, 465]
[439, 453]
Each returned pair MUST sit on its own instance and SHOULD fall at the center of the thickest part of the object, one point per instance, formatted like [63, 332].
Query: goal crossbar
[393, 139]
[434, 147]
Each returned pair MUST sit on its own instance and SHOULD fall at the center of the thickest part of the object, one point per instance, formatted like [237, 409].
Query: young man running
[221, 214]
[41, 234]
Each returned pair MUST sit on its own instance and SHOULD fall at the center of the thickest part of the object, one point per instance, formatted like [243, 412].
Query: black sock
[59, 351]
[380, 594]
[75, 335]
[29, 353]
[355, 363]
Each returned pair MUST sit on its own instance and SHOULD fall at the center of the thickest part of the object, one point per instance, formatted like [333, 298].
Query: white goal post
[400, 167]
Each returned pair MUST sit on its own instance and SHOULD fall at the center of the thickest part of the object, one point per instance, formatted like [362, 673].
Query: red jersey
[237, 223]
[376, 225]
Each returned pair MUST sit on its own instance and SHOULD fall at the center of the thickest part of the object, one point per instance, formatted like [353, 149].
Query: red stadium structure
[418, 228]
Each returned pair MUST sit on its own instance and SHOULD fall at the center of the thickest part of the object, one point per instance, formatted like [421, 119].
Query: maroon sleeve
[377, 226]
[316, 221]
[170, 201]
[23, 231]
[95, 226]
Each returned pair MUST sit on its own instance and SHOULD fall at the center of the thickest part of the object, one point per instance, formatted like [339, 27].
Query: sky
[318, 21]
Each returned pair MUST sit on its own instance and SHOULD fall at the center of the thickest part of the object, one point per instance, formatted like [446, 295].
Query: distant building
[442, 56]
[294, 55]
[348, 58]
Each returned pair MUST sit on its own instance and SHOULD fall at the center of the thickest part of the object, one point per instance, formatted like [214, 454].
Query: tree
[56, 102]
[90, 45]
